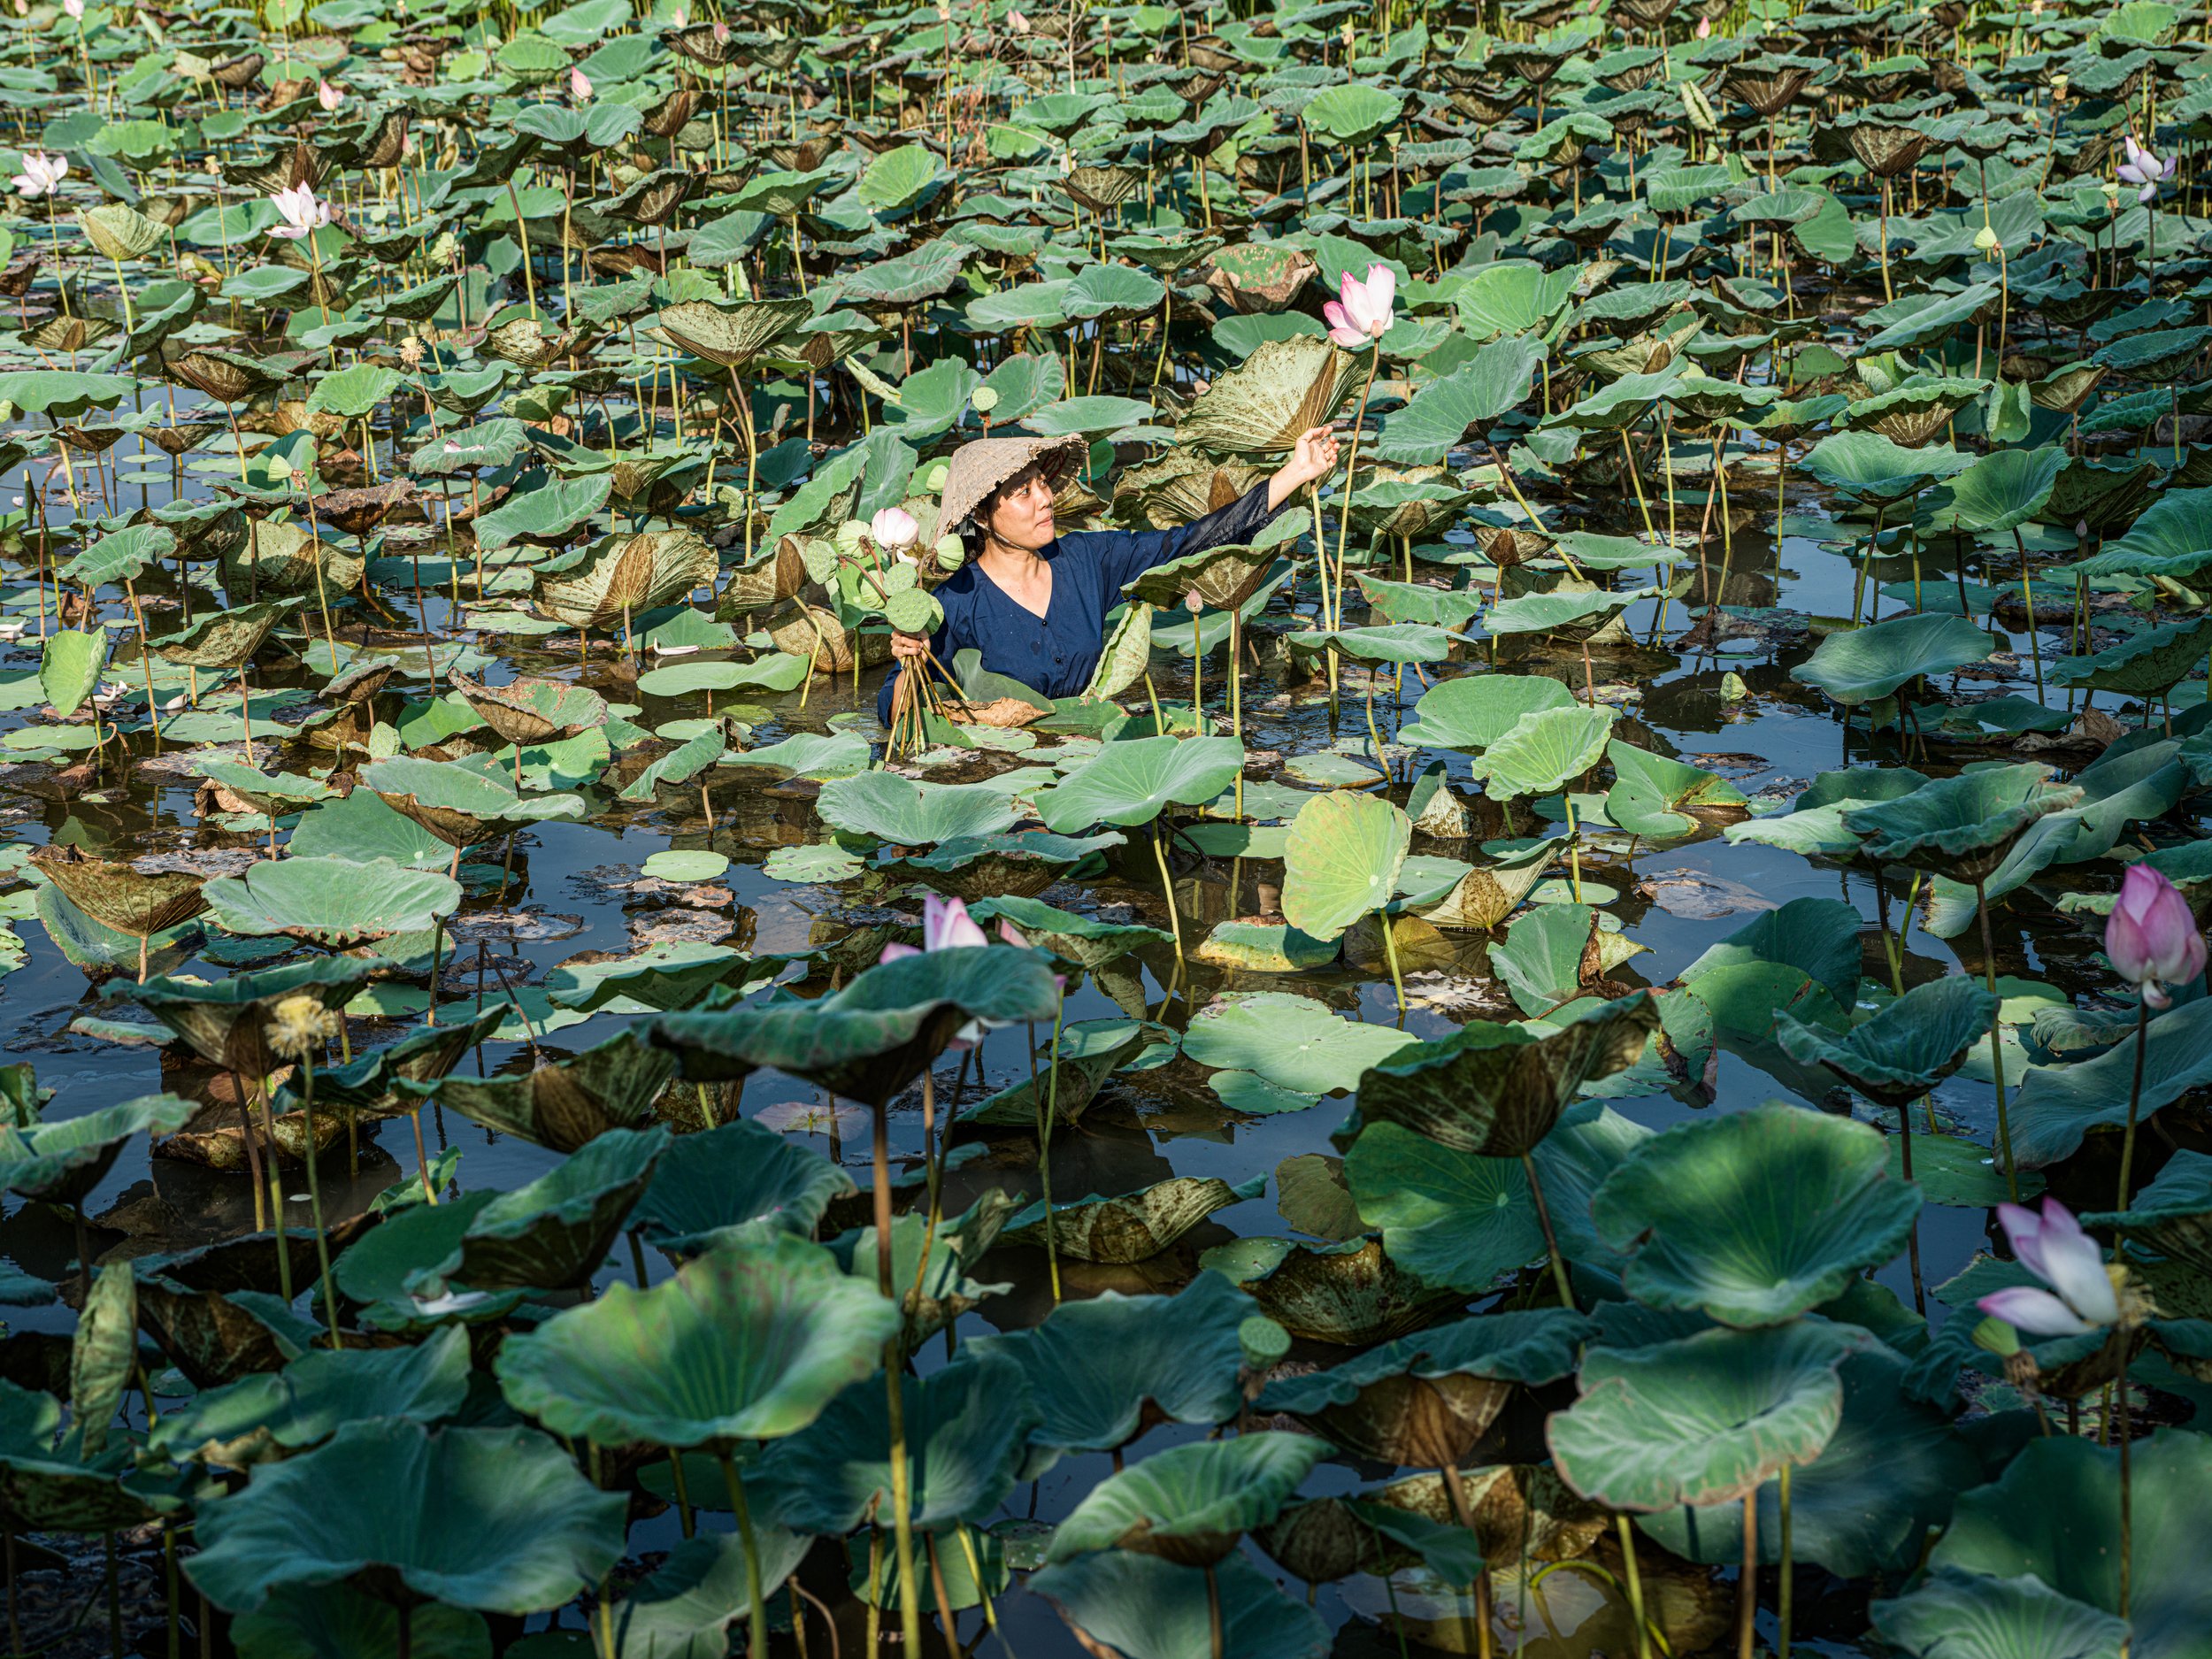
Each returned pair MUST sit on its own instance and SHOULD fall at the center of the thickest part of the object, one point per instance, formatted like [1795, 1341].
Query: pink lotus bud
[74, 8]
[1012, 934]
[2053, 1247]
[1017, 22]
[329, 96]
[2151, 935]
[1363, 311]
[947, 926]
[579, 85]
[1705, 28]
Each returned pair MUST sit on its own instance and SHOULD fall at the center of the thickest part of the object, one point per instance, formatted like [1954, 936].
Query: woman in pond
[1034, 602]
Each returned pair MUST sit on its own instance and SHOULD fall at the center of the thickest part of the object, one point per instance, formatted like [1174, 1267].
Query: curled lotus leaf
[731, 335]
[553, 1232]
[1222, 577]
[736, 1181]
[1427, 1399]
[1133, 1227]
[1961, 826]
[532, 711]
[1909, 1044]
[223, 639]
[61, 1161]
[560, 1103]
[623, 576]
[462, 805]
[226, 1023]
[496, 1519]
[1144, 1607]
[1260, 407]
[1190, 1504]
[752, 1341]
[1757, 1217]
[1496, 1090]
[139, 902]
[46, 1488]
[1351, 1294]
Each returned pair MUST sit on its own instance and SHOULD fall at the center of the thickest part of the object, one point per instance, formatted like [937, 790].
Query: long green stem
[893, 1370]
[757, 1642]
[1996, 1044]
[315, 1199]
[2135, 1099]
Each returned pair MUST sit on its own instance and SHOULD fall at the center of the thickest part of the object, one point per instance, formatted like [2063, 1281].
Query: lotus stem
[1551, 1240]
[276, 1191]
[1456, 1491]
[982, 1590]
[1747, 1583]
[1996, 1045]
[894, 1368]
[2135, 1101]
[1635, 1586]
[1783, 1588]
[1636, 478]
[1390, 955]
[2127, 1488]
[1167, 887]
[1213, 1611]
[945, 1616]
[315, 1200]
[757, 1644]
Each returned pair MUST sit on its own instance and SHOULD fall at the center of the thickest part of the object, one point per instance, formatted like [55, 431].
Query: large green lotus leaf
[737, 1181]
[69, 666]
[1620, 403]
[1427, 1399]
[1494, 380]
[1961, 826]
[548, 510]
[2056, 1513]
[2150, 664]
[62, 393]
[1353, 114]
[499, 1520]
[2173, 1215]
[336, 1621]
[43, 1488]
[1134, 1226]
[1866, 1503]
[61, 1161]
[1703, 1419]
[1101, 1371]
[1566, 613]
[1133, 782]
[1813, 826]
[1191, 1503]
[1342, 861]
[1091, 1051]
[1144, 1608]
[623, 576]
[1260, 407]
[664, 977]
[1077, 939]
[1292, 1041]
[2058, 1105]
[1496, 1090]
[1909, 1046]
[1954, 1613]
[266, 1418]
[871, 1038]
[1475, 710]
[1398, 643]
[1871, 466]
[560, 1104]
[555, 1232]
[460, 803]
[731, 335]
[360, 826]
[2172, 538]
[331, 900]
[223, 639]
[1513, 296]
[749, 1342]
[1544, 751]
[1350, 1293]
[1223, 576]
[376, 1267]
[2002, 490]
[1865, 664]
[225, 1021]
[1817, 937]
[490, 444]
[967, 1430]
[1653, 795]
[1416, 602]
[681, 763]
[1756, 1217]
[1460, 1219]
[910, 813]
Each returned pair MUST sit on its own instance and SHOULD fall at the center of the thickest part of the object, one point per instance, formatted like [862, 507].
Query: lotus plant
[300, 1026]
[579, 86]
[42, 175]
[1360, 315]
[329, 96]
[2151, 936]
[2145, 170]
[301, 213]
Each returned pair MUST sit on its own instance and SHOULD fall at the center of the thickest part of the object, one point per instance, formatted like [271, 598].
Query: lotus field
[1592, 1041]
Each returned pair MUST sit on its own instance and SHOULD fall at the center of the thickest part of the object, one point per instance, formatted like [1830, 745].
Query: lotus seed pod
[850, 535]
[934, 480]
[950, 553]
[984, 399]
[1986, 240]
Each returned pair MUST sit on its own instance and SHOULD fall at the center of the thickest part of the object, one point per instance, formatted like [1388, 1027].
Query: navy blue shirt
[1055, 654]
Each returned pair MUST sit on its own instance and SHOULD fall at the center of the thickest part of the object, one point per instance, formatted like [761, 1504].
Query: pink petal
[1335, 315]
[1351, 338]
[892, 953]
[2037, 1312]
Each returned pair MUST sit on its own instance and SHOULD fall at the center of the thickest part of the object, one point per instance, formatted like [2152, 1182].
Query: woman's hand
[1312, 458]
[909, 648]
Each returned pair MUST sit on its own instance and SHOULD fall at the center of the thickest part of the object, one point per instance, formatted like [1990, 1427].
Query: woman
[1034, 602]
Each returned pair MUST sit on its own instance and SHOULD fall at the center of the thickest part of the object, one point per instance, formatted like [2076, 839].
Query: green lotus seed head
[850, 535]
[1985, 239]
[950, 553]
[934, 480]
[984, 399]
[1264, 1342]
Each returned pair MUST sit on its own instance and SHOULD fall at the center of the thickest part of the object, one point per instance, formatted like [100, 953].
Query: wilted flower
[579, 85]
[42, 173]
[303, 213]
[411, 356]
[299, 1025]
[329, 96]
[2152, 935]
[2144, 168]
[1362, 311]
[893, 530]
[2054, 1248]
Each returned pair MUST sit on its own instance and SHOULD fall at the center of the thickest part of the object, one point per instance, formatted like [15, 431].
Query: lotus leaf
[331, 900]
[1190, 1504]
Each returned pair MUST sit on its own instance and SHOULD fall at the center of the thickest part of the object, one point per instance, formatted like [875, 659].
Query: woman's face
[1021, 515]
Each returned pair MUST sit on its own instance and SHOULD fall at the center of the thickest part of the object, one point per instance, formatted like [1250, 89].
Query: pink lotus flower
[2151, 935]
[329, 96]
[1012, 934]
[42, 173]
[894, 531]
[75, 9]
[1362, 311]
[721, 30]
[2054, 1248]
[946, 925]
[579, 85]
[1017, 22]
[304, 215]
[1705, 28]
[2143, 167]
